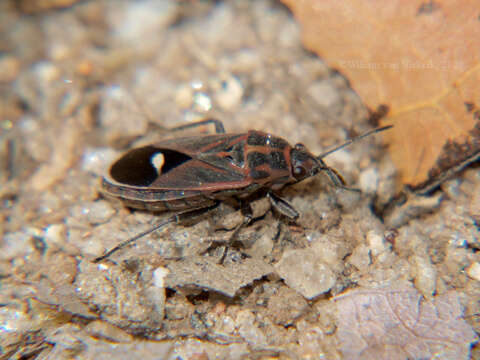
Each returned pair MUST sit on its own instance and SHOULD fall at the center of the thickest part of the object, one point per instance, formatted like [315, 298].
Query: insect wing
[197, 145]
[194, 163]
[199, 175]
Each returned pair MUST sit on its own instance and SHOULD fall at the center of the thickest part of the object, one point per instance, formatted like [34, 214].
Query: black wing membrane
[136, 167]
[183, 163]
[178, 170]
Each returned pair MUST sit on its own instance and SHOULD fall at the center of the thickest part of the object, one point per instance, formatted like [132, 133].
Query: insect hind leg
[247, 213]
[178, 218]
[219, 128]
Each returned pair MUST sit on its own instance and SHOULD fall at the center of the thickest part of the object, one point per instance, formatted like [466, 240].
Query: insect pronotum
[188, 175]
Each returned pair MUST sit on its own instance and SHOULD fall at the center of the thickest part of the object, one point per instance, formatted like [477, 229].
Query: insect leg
[282, 206]
[219, 129]
[336, 178]
[334, 175]
[247, 212]
[174, 218]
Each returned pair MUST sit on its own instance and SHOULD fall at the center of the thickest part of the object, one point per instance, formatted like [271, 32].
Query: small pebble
[157, 296]
[184, 96]
[303, 272]
[121, 114]
[368, 181]
[16, 244]
[245, 61]
[99, 212]
[93, 247]
[55, 233]
[47, 73]
[93, 212]
[248, 329]
[228, 325]
[289, 35]
[98, 160]
[159, 276]
[196, 84]
[142, 19]
[229, 93]
[451, 188]
[103, 330]
[376, 242]
[14, 319]
[341, 159]
[425, 276]
[474, 271]
[202, 102]
[324, 93]
[360, 257]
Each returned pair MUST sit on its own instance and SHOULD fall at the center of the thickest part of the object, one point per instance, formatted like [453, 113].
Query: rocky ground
[356, 276]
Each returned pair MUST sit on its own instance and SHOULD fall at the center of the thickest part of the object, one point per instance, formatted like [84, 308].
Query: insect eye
[300, 146]
[299, 171]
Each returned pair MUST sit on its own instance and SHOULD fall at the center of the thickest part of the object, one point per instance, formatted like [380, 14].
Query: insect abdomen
[169, 205]
[156, 200]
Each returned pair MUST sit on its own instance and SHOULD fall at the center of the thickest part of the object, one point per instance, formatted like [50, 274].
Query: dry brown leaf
[400, 324]
[418, 58]
[36, 6]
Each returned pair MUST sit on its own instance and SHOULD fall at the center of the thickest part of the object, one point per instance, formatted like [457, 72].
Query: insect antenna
[334, 176]
[355, 139]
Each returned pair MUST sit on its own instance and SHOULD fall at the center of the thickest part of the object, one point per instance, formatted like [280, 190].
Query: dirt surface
[82, 84]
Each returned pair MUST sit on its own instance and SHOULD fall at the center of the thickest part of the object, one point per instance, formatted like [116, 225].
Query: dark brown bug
[196, 172]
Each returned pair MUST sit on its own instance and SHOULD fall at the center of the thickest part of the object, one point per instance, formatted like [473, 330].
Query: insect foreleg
[335, 177]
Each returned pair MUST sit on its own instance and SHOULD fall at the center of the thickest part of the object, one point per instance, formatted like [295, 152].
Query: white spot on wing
[157, 161]
[269, 139]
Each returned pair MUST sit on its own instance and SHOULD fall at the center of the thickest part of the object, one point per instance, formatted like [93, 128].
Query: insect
[190, 174]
